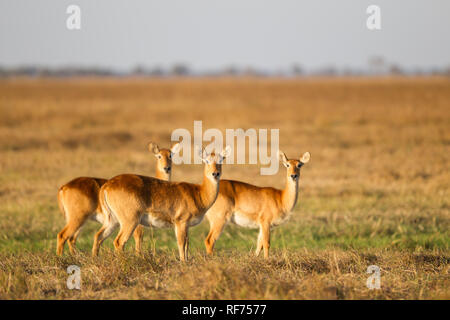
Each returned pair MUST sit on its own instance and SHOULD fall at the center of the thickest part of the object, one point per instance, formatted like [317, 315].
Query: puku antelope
[255, 207]
[78, 200]
[131, 199]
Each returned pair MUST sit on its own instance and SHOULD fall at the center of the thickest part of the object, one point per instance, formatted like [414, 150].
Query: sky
[212, 34]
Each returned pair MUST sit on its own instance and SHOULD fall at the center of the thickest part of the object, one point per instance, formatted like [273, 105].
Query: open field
[376, 191]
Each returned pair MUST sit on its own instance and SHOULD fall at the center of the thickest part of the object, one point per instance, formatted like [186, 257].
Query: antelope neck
[289, 194]
[208, 191]
[162, 175]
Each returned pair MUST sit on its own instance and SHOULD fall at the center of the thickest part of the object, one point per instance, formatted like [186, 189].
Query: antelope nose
[294, 176]
[216, 174]
[167, 169]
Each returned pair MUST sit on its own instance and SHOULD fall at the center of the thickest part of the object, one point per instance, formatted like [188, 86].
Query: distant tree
[296, 70]
[230, 71]
[326, 71]
[377, 65]
[253, 72]
[395, 70]
[139, 70]
[180, 70]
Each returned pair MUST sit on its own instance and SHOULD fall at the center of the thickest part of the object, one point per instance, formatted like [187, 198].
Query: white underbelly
[243, 221]
[149, 220]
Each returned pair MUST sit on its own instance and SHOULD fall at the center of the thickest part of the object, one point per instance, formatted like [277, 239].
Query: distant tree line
[376, 66]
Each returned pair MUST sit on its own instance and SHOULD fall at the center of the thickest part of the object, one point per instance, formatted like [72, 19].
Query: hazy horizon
[208, 36]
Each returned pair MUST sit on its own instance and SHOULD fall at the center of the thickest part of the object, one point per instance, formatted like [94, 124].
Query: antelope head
[213, 162]
[164, 159]
[293, 165]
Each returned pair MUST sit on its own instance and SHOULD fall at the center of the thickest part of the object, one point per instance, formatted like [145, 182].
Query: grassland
[376, 191]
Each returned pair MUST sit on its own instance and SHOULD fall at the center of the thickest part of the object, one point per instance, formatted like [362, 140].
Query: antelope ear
[226, 152]
[205, 156]
[305, 157]
[282, 157]
[201, 153]
[176, 148]
[153, 147]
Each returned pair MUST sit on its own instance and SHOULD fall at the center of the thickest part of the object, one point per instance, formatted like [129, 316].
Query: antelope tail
[107, 211]
[61, 203]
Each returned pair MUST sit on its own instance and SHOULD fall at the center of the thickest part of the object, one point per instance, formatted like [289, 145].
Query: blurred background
[372, 108]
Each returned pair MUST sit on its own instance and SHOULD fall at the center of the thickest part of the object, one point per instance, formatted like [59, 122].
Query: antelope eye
[288, 165]
[170, 156]
[299, 165]
[159, 156]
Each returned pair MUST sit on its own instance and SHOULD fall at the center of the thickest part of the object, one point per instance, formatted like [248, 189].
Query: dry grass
[375, 192]
[302, 274]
